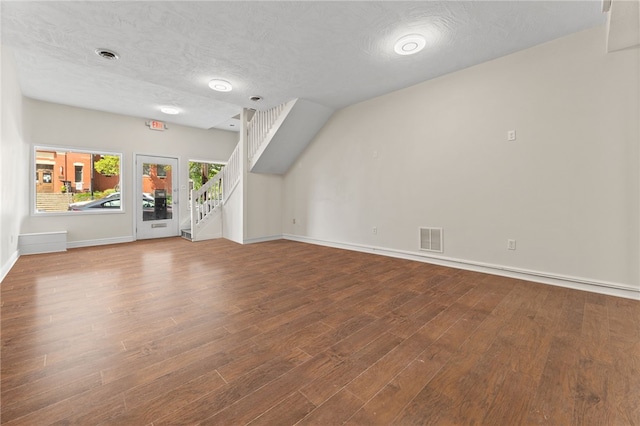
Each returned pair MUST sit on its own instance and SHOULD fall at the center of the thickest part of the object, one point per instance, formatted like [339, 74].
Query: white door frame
[163, 227]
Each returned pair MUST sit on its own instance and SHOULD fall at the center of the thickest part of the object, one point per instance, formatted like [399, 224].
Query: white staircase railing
[205, 200]
[258, 128]
[231, 173]
[210, 197]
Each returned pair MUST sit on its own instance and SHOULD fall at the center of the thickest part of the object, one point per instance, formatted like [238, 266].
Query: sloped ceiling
[331, 53]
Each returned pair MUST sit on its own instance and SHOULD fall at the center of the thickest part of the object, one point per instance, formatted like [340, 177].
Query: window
[71, 181]
[202, 171]
[161, 171]
[78, 173]
[109, 204]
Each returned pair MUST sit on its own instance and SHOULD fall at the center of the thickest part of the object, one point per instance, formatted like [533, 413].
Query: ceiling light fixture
[170, 110]
[220, 85]
[410, 44]
[255, 98]
[107, 54]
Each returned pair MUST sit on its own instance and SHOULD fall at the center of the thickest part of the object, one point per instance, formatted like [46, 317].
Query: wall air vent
[431, 239]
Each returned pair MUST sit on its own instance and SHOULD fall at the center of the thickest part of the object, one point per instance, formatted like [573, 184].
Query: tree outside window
[200, 173]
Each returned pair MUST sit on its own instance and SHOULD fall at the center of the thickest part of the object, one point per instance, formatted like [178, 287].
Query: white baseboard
[9, 264]
[262, 239]
[594, 286]
[100, 242]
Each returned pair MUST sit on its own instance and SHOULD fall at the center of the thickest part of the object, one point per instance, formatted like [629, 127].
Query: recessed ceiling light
[107, 54]
[255, 98]
[410, 44]
[170, 110]
[220, 85]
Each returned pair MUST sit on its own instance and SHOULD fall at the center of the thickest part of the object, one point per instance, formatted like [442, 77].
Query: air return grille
[431, 239]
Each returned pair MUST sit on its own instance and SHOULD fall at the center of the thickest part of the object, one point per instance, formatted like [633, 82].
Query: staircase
[51, 202]
[274, 140]
[207, 202]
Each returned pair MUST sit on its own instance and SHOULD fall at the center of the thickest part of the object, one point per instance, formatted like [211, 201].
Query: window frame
[33, 169]
[78, 171]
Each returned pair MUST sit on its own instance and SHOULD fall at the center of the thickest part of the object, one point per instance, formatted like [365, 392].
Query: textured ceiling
[332, 53]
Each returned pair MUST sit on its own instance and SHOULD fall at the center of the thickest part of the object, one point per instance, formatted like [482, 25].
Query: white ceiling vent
[431, 239]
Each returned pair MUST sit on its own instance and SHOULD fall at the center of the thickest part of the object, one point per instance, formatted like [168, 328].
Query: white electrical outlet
[511, 135]
[511, 244]
[374, 230]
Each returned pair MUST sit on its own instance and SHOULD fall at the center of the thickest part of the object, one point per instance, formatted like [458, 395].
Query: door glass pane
[157, 194]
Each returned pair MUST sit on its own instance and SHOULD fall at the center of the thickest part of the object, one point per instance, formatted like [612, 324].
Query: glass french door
[156, 208]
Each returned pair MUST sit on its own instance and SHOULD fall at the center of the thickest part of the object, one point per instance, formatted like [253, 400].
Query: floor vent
[431, 239]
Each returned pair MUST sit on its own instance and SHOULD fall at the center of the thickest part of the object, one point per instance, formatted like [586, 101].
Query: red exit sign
[156, 125]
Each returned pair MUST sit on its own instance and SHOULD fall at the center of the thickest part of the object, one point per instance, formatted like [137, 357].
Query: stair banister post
[193, 214]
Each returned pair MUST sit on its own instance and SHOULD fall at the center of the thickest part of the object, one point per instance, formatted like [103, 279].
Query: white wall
[264, 207]
[437, 154]
[233, 211]
[259, 205]
[232, 215]
[14, 159]
[58, 125]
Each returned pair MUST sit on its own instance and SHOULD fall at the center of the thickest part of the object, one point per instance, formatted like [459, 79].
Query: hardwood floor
[169, 332]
